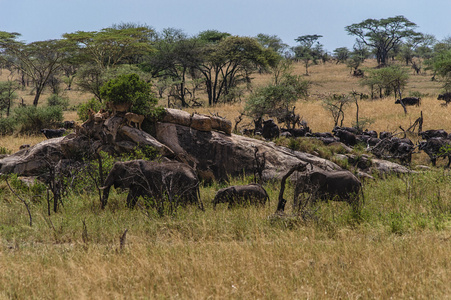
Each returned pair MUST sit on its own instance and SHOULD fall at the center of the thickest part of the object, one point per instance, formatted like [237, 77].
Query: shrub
[32, 119]
[83, 108]
[4, 150]
[7, 125]
[56, 100]
[129, 88]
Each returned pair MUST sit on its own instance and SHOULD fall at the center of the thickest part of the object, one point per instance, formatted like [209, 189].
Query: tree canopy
[383, 35]
[38, 60]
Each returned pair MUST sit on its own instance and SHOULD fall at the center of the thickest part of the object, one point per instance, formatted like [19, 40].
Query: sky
[39, 20]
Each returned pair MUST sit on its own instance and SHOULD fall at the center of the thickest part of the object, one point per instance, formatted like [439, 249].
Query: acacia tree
[341, 54]
[38, 60]
[308, 50]
[229, 61]
[273, 42]
[386, 80]
[7, 95]
[176, 57]
[383, 35]
[111, 46]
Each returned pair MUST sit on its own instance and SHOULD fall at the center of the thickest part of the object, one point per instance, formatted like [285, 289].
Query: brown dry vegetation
[400, 247]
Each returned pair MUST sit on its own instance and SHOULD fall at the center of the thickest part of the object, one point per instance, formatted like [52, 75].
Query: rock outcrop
[222, 155]
[204, 142]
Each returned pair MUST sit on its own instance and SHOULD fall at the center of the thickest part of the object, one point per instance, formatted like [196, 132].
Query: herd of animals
[180, 183]
[436, 143]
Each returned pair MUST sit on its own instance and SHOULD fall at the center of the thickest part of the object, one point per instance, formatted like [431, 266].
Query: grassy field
[398, 247]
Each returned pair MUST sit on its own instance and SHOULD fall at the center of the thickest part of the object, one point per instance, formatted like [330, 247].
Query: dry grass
[399, 249]
[297, 264]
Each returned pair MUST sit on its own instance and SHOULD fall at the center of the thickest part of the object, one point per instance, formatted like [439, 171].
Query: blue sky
[39, 20]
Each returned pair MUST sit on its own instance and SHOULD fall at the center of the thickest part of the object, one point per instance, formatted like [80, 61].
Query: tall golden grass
[399, 247]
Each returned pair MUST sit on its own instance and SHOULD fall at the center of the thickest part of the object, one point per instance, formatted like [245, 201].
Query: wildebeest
[320, 134]
[399, 148]
[368, 140]
[270, 129]
[346, 137]
[433, 133]
[385, 135]
[409, 101]
[371, 133]
[53, 133]
[435, 148]
[446, 97]
[348, 129]
[68, 124]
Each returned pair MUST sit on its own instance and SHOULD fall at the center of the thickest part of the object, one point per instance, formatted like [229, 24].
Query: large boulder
[142, 138]
[197, 121]
[223, 155]
[33, 161]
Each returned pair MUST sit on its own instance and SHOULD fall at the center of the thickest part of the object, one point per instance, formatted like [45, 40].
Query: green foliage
[388, 80]
[32, 119]
[309, 50]
[273, 42]
[417, 94]
[4, 150]
[7, 125]
[83, 108]
[276, 99]
[7, 95]
[383, 35]
[336, 104]
[142, 152]
[341, 54]
[57, 100]
[129, 88]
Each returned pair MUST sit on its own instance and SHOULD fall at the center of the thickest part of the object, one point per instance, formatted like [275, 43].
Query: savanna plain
[398, 246]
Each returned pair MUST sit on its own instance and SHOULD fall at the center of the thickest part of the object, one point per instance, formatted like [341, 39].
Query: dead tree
[418, 122]
[301, 167]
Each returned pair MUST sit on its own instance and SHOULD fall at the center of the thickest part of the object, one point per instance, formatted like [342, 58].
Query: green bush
[129, 88]
[83, 108]
[4, 150]
[31, 119]
[56, 100]
[7, 125]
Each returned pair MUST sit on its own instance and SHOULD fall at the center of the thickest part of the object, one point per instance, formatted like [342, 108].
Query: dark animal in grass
[445, 97]
[433, 133]
[329, 185]
[409, 101]
[385, 135]
[437, 147]
[346, 137]
[241, 195]
[68, 124]
[294, 132]
[168, 184]
[367, 140]
[320, 134]
[397, 148]
[371, 133]
[348, 129]
[270, 129]
[53, 133]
